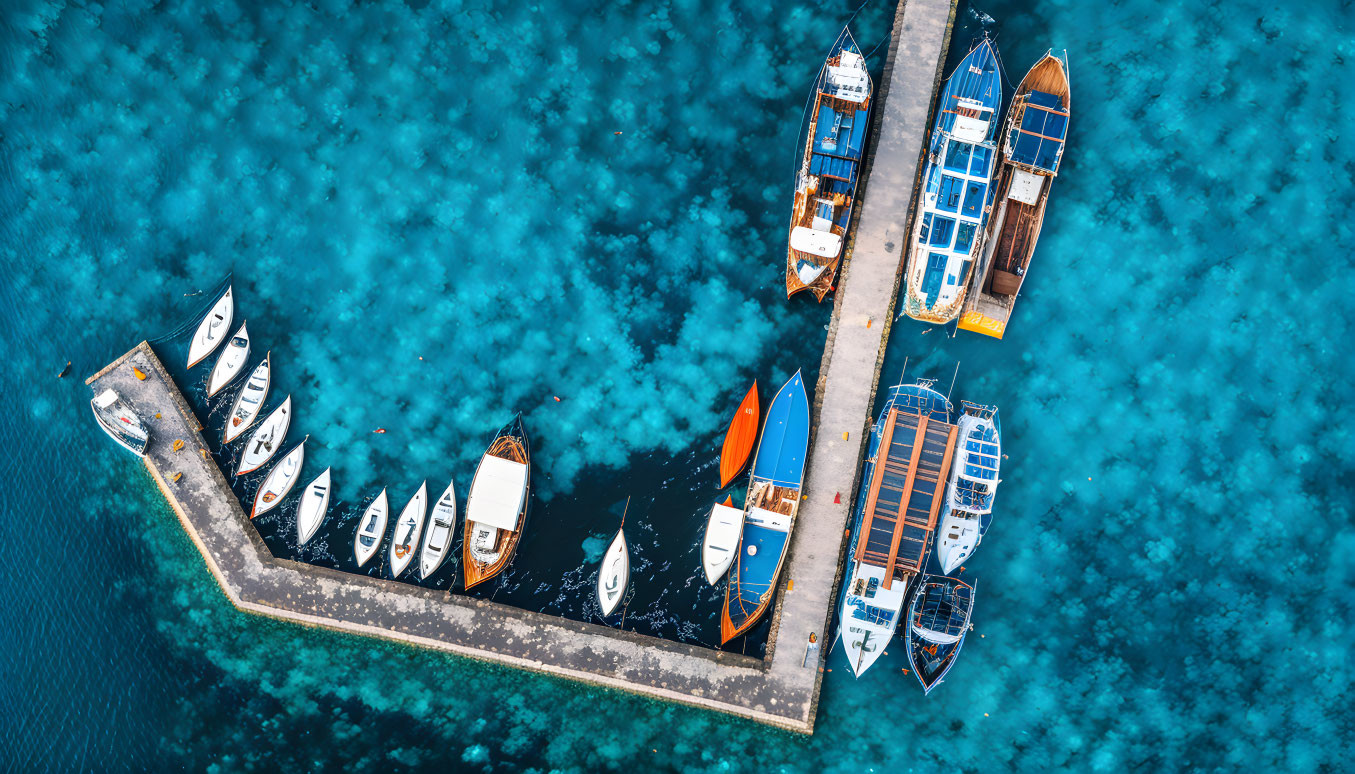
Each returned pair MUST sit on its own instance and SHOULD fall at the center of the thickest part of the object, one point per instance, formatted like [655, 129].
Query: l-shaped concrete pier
[780, 690]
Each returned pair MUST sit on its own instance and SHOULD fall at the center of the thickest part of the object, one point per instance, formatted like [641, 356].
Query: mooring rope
[184, 327]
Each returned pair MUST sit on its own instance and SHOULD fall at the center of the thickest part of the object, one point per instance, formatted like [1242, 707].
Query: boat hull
[372, 527]
[738, 445]
[211, 332]
[614, 574]
[408, 528]
[437, 539]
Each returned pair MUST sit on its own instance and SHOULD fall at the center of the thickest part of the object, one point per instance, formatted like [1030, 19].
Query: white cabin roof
[968, 127]
[1025, 187]
[106, 399]
[822, 243]
[497, 492]
[769, 519]
[848, 79]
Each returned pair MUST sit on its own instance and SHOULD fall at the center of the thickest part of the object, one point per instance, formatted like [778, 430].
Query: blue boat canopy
[1038, 141]
[785, 437]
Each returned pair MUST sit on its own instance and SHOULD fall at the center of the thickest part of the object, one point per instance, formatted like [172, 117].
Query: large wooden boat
[903, 482]
[956, 189]
[769, 511]
[496, 508]
[1032, 149]
[739, 438]
[825, 185]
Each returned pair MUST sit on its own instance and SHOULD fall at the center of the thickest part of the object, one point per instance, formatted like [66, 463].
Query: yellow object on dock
[139, 374]
[175, 478]
[177, 445]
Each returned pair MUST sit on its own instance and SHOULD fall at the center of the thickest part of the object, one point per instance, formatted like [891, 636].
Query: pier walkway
[781, 690]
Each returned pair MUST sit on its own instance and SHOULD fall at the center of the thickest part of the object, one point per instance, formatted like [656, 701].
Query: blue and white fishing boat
[825, 185]
[769, 511]
[957, 188]
[902, 483]
[973, 485]
[938, 619]
[1032, 149]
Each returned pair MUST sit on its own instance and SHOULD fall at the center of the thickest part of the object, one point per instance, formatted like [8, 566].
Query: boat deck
[905, 494]
[782, 689]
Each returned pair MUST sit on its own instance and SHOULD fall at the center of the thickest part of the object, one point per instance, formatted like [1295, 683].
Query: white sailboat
[231, 363]
[614, 574]
[371, 528]
[249, 402]
[407, 528]
[280, 480]
[267, 439]
[437, 541]
[310, 512]
[212, 330]
[724, 528]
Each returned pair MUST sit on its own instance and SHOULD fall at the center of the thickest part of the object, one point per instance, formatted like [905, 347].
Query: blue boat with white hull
[973, 486]
[902, 482]
[957, 188]
[938, 620]
[825, 184]
[769, 511]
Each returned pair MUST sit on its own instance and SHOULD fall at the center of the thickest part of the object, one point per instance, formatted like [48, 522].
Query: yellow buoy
[177, 445]
[141, 375]
[176, 477]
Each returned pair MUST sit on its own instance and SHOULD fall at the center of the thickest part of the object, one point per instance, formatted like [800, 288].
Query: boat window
[957, 156]
[872, 587]
[951, 189]
[942, 229]
[973, 199]
[979, 165]
[926, 228]
[964, 238]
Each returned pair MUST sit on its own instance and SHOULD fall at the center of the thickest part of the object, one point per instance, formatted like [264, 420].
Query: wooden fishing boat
[371, 528]
[614, 573]
[825, 185]
[405, 541]
[769, 510]
[496, 508]
[437, 541]
[310, 512]
[1032, 150]
[231, 363]
[249, 402]
[956, 192]
[121, 424]
[724, 528]
[938, 619]
[739, 438]
[280, 481]
[267, 438]
[903, 482]
[212, 330]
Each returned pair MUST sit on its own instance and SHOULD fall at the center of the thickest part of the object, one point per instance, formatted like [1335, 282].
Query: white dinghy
[724, 529]
[231, 363]
[267, 439]
[120, 422]
[371, 528]
[249, 402]
[310, 512]
[280, 481]
[614, 574]
[438, 540]
[407, 528]
[212, 330]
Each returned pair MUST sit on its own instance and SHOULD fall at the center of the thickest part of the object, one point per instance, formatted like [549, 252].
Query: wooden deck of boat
[905, 494]
[782, 689]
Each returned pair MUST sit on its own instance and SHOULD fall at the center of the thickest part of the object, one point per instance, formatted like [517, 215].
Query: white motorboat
[371, 528]
[405, 542]
[249, 402]
[212, 330]
[122, 425]
[724, 528]
[231, 363]
[437, 541]
[310, 512]
[267, 439]
[614, 574]
[973, 484]
[280, 480]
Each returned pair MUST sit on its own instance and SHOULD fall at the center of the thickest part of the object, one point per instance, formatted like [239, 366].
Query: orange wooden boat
[739, 439]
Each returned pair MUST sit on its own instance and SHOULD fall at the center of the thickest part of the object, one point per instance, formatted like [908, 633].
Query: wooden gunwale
[903, 503]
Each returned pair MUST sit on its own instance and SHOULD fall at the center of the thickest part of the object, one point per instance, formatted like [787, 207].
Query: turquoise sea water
[1166, 583]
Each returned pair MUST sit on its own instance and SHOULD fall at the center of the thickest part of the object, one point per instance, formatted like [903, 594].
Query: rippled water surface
[432, 222]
